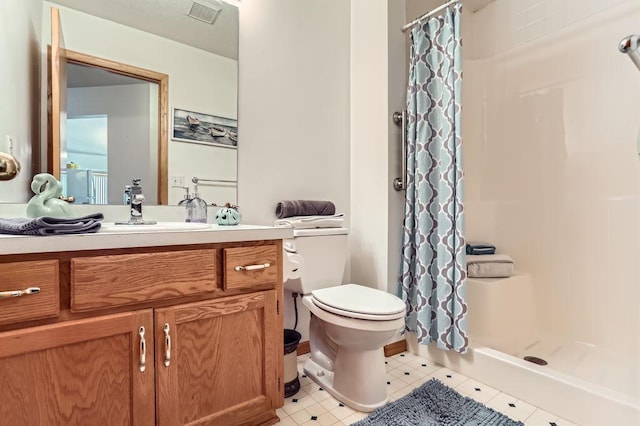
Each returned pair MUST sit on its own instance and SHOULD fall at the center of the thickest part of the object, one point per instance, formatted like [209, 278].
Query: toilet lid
[360, 302]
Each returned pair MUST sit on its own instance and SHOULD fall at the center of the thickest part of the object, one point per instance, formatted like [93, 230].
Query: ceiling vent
[204, 12]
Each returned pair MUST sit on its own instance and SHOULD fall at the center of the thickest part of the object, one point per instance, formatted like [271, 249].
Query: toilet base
[367, 380]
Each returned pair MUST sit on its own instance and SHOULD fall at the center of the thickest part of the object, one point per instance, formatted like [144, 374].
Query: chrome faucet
[133, 197]
[136, 198]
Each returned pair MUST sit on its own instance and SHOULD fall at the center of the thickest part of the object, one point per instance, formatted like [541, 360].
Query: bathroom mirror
[200, 58]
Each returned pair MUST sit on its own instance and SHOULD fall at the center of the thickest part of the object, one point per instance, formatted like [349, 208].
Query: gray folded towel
[480, 248]
[289, 208]
[51, 225]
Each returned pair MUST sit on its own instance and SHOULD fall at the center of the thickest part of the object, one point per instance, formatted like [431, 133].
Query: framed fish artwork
[206, 129]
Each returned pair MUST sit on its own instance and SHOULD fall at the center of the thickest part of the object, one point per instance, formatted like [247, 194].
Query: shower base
[585, 362]
[580, 401]
[583, 383]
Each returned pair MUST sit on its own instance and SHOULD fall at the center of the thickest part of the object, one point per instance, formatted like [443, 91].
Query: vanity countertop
[16, 244]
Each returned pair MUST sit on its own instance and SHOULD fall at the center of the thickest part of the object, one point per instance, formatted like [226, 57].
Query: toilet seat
[359, 302]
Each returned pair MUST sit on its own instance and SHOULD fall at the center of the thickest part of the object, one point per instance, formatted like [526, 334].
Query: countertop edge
[14, 244]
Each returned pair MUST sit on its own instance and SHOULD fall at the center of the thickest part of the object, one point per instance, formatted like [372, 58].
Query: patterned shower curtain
[433, 269]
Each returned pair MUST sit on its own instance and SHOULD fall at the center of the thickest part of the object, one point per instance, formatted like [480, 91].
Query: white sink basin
[158, 227]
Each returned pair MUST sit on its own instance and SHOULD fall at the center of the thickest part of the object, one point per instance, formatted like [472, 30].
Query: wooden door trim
[250, 409]
[167, 409]
[55, 96]
[144, 383]
[219, 307]
[21, 341]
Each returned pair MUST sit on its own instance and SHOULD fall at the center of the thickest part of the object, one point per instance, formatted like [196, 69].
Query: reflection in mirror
[103, 142]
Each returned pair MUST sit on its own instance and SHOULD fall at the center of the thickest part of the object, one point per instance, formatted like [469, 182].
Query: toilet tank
[324, 251]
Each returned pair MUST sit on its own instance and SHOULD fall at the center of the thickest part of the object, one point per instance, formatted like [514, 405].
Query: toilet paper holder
[293, 265]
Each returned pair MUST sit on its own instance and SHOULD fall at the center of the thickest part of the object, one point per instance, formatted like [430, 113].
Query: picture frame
[205, 129]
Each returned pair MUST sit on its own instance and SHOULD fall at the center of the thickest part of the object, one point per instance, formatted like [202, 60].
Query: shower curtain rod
[630, 45]
[429, 14]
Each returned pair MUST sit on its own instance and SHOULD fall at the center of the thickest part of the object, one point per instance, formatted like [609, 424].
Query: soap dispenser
[196, 208]
[186, 198]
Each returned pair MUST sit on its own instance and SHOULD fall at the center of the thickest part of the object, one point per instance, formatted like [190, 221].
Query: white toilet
[350, 323]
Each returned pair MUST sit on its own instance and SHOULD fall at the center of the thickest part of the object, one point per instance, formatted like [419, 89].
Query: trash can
[291, 381]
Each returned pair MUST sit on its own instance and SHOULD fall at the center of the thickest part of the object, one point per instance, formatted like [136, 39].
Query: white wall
[126, 149]
[294, 99]
[551, 118]
[378, 89]
[20, 35]
[198, 81]
[370, 122]
[399, 14]
[328, 148]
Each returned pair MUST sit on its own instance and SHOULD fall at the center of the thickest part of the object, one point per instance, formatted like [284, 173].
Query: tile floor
[314, 407]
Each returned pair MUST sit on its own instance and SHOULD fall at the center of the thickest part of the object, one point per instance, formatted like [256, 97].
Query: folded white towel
[309, 222]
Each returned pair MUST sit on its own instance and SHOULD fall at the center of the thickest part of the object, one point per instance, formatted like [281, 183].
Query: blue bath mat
[435, 404]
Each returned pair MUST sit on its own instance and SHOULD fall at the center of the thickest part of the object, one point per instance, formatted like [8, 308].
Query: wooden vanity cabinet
[216, 362]
[208, 358]
[77, 372]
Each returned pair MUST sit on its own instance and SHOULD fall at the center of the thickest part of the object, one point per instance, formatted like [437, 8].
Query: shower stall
[551, 121]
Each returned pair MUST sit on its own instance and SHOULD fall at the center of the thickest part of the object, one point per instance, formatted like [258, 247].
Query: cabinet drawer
[118, 280]
[247, 266]
[22, 275]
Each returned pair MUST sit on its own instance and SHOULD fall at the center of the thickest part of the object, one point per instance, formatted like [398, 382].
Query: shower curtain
[433, 269]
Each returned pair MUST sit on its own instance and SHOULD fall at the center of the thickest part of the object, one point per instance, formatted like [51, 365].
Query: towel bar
[197, 179]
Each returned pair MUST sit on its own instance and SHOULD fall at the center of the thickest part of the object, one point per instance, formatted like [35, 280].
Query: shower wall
[551, 119]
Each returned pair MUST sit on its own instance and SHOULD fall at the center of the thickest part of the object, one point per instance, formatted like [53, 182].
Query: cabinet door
[78, 373]
[217, 361]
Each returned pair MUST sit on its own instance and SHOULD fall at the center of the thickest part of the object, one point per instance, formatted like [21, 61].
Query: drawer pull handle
[143, 350]
[252, 267]
[18, 293]
[167, 345]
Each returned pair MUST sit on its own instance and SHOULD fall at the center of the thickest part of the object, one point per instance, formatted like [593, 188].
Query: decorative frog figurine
[228, 215]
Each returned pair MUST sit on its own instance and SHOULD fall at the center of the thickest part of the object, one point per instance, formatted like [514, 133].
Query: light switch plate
[177, 181]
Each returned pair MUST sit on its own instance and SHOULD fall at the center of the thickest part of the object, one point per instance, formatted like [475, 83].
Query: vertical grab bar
[400, 118]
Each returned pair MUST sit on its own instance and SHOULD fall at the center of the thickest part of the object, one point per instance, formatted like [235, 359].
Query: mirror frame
[162, 80]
